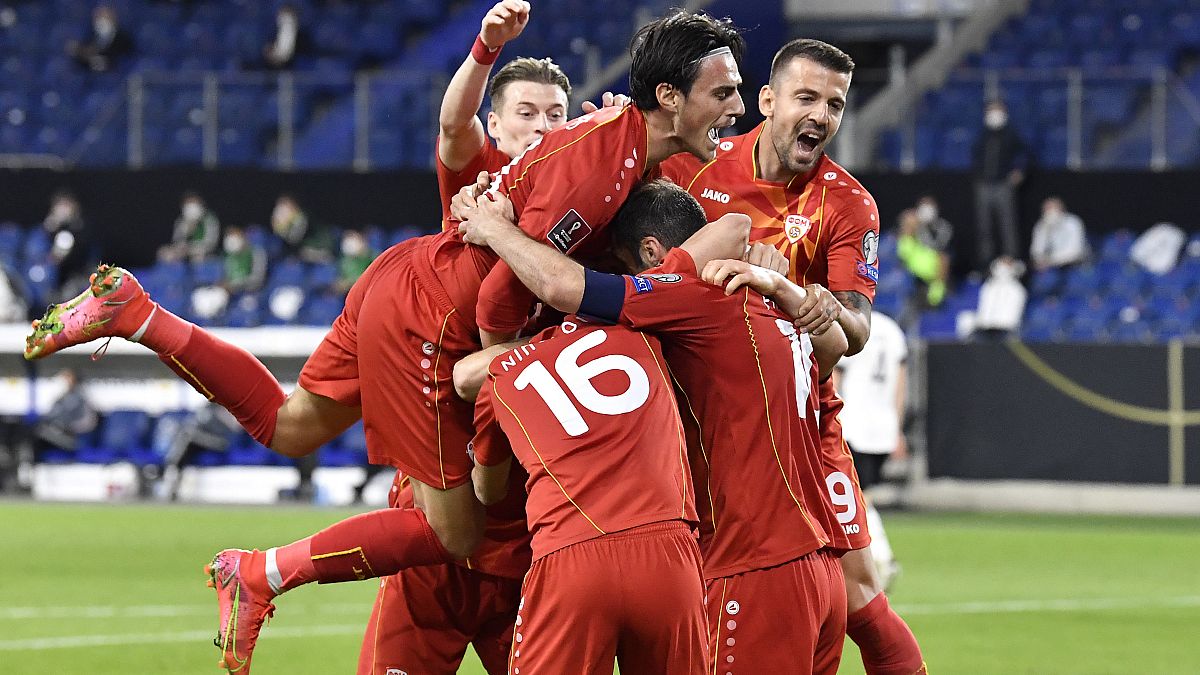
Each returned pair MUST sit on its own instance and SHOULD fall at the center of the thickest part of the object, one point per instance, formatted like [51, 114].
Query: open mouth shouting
[809, 144]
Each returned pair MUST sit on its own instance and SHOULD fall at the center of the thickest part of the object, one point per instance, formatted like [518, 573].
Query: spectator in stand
[917, 251]
[14, 295]
[290, 40]
[69, 417]
[1157, 249]
[71, 249]
[301, 238]
[1001, 300]
[245, 264]
[1059, 238]
[932, 229]
[197, 231]
[211, 427]
[106, 46]
[356, 257]
[1000, 160]
[289, 223]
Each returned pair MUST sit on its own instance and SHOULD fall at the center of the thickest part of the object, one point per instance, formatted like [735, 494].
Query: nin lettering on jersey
[589, 412]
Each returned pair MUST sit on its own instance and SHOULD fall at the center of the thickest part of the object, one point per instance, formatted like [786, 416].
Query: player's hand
[467, 196]
[734, 274]
[766, 255]
[818, 311]
[503, 22]
[608, 100]
[491, 214]
[901, 452]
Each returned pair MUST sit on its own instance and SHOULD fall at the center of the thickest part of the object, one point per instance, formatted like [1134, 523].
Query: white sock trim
[274, 578]
[137, 334]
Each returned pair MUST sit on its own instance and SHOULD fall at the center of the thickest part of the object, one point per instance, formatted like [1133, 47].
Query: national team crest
[795, 227]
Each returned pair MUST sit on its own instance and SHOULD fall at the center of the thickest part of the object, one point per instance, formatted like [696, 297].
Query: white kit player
[872, 383]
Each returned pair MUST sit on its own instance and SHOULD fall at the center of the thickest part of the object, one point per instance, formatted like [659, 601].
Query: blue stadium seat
[939, 324]
[208, 272]
[209, 458]
[1135, 331]
[123, 430]
[322, 275]
[286, 272]
[354, 439]
[321, 310]
[1116, 246]
[248, 455]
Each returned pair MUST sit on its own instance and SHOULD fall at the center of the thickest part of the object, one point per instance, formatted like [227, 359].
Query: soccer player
[828, 225]
[428, 615]
[872, 385]
[590, 413]
[775, 594]
[420, 307]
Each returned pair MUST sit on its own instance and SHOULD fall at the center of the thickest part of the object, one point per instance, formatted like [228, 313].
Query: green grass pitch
[119, 589]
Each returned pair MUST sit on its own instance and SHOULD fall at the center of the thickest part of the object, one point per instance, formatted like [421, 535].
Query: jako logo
[395, 671]
[712, 194]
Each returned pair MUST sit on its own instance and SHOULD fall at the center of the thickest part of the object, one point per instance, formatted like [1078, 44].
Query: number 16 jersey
[590, 413]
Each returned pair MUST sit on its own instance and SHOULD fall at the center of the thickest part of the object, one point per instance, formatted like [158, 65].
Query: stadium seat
[123, 430]
[248, 455]
[354, 439]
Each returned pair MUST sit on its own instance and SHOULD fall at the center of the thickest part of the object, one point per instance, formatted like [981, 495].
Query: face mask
[61, 212]
[281, 214]
[995, 119]
[104, 26]
[192, 211]
[234, 243]
[352, 246]
[926, 212]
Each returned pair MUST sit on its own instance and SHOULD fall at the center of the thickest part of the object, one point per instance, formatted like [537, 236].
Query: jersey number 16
[578, 378]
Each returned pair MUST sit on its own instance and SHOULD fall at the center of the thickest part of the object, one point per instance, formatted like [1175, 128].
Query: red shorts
[785, 620]
[393, 351]
[849, 531]
[635, 596]
[424, 618]
[428, 615]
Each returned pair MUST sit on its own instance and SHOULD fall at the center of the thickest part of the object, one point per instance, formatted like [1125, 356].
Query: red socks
[223, 373]
[887, 644]
[375, 544]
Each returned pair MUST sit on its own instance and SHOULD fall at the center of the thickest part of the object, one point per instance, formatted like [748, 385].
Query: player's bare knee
[289, 438]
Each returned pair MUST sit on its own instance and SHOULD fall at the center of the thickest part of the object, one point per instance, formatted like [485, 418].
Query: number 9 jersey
[590, 413]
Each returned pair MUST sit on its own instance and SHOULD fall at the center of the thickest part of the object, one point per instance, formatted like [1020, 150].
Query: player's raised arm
[550, 275]
[461, 133]
[828, 347]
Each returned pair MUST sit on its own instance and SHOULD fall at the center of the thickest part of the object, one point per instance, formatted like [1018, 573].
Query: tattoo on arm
[854, 300]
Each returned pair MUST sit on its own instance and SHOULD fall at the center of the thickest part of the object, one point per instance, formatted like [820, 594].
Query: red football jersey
[590, 414]
[489, 158]
[828, 227]
[826, 223]
[755, 467]
[565, 189]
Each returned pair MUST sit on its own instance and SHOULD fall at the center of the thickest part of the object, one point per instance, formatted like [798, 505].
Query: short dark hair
[670, 49]
[659, 209]
[526, 69]
[821, 53]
